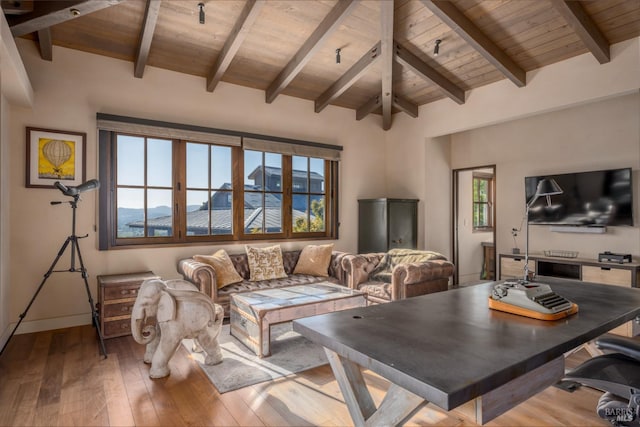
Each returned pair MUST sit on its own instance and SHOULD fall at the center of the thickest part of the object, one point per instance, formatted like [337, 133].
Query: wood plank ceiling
[386, 48]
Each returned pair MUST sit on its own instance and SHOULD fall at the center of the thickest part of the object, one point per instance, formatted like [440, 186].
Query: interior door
[474, 225]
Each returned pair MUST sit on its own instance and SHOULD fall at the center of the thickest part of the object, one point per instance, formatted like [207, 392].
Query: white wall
[68, 93]
[565, 84]
[599, 135]
[15, 85]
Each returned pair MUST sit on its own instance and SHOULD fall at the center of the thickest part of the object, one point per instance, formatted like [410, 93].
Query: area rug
[290, 353]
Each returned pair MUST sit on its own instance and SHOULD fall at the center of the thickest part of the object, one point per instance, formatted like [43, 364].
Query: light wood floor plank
[257, 401]
[197, 403]
[58, 377]
[140, 401]
[118, 408]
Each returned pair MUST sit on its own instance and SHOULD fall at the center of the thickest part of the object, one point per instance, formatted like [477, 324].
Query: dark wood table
[449, 348]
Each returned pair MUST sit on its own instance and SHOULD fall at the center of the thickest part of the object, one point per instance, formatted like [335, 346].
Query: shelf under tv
[578, 229]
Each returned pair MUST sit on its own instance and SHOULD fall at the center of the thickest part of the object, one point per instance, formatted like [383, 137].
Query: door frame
[454, 224]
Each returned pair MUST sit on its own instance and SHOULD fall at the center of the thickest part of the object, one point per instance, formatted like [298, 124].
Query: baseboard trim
[5, 336]
[27, 327]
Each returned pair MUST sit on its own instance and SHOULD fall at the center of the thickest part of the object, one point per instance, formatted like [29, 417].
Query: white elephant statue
[166, 312]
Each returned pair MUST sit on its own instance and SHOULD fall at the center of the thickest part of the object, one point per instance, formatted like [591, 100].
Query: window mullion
[287, 196]
[238, 192]
[146, 189]
[179, 190]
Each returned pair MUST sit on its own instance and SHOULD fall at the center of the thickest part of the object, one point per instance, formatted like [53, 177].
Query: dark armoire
[384, 224]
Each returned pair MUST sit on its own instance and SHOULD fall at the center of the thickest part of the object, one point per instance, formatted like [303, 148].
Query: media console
[583, 269]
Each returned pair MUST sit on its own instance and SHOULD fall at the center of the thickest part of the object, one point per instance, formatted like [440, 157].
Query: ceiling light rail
[436, 48]
[348, 79]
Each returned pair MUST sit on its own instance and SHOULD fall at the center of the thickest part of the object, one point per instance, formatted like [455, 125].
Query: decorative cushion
[226, 273]
[314, 260]
[394, 257]
[265, 263]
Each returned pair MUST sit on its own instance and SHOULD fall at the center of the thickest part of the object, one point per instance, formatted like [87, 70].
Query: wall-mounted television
[591, 199]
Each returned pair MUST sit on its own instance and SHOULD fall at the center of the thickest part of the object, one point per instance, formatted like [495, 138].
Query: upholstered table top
[449, 347]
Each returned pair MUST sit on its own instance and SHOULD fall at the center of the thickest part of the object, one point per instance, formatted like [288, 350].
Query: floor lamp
[547, 187]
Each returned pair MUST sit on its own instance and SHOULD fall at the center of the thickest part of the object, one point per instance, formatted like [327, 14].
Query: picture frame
[55, 155]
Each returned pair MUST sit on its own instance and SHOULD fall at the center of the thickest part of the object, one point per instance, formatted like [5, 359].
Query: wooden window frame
[328, 213]
[108, 202]
[489, 203]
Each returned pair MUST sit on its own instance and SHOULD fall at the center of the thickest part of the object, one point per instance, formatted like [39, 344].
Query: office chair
[617, 373]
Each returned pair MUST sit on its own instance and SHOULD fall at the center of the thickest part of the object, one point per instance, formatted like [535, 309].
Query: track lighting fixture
[201, 8]
[436, 49]
[338, 55]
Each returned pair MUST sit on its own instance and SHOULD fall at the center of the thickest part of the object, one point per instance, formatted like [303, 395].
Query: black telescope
[72, 242]
[92, 184]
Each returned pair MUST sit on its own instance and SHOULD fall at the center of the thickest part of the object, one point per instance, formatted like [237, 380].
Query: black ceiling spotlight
[436, 49]
[201, 8]
[338, 55]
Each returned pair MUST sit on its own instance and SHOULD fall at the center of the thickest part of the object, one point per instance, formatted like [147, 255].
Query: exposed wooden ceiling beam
[386, 48]
[49, 13]
[328, 25]
[146, 35]
[466, 29]
[585, 28]
[13, 7]
[45, 44]
[421, 68]
[368, 107]
[234, 41]
[348, 78]
[405, 105]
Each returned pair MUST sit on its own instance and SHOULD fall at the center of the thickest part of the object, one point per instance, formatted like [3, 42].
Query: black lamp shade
[548, 187]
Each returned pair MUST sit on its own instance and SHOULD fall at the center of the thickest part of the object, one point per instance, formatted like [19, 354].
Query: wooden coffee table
[253, 313]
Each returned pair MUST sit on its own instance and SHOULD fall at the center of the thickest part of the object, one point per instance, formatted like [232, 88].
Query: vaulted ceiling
[372, 56]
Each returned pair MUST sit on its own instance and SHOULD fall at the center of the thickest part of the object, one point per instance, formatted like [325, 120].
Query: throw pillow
[265, 263]
[226, 273]
[314, 260]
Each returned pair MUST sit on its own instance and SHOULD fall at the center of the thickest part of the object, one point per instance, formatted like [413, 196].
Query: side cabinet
[586, 270]
[615, 277]
[385, 224]
[116, 295]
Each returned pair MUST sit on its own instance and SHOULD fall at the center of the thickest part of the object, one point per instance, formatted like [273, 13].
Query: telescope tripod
[72, 242]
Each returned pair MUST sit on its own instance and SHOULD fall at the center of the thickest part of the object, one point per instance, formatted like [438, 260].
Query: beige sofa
[403, 280]
[204, 277]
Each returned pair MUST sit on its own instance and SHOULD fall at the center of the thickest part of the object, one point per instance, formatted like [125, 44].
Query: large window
[174, 191]
[262, 192]
[482, 202]
[209, 206]
[144, 189]
[308, 195]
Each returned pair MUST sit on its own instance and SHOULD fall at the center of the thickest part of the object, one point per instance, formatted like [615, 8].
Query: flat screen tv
[590, 199]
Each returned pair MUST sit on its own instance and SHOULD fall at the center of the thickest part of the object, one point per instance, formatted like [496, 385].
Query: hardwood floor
[58, 378]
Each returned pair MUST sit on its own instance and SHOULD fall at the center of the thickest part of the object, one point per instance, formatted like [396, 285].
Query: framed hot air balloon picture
[54, 155]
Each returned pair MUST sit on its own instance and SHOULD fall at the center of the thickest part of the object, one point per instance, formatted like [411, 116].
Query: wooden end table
[253, 313]
[117, 294]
